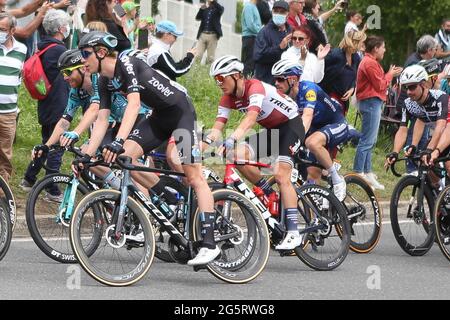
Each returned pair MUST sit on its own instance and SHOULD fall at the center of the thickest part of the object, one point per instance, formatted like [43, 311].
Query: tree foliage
[403, 22]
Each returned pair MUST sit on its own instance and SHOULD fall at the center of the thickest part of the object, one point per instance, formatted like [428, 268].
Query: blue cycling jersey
[326, 110]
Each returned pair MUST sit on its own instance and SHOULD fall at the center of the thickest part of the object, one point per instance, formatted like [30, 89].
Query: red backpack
[34, 77]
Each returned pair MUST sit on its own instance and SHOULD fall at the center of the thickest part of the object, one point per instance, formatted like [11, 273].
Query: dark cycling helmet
[432, 66]
[70, 58]
[98, 38]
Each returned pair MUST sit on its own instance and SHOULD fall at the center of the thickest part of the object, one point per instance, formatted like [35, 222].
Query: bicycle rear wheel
[5, 229]
[241, 234]
[325, 228]
[364, 213]
[412, 226]
[117, 261]
[10, 201]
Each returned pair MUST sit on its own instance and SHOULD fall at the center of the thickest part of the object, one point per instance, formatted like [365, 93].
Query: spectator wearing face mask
[271, 42]
[159, 56]
[12, 56]
[443, 37]
[57, 27]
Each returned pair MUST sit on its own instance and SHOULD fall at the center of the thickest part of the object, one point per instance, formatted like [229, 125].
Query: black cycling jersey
[131, 75]
[435, 107]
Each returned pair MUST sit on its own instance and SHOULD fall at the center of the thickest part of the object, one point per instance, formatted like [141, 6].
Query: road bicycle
[6, 228]
[412, 204]
[127, 242]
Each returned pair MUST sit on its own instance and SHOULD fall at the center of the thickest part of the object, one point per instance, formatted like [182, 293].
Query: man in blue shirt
[251, 24]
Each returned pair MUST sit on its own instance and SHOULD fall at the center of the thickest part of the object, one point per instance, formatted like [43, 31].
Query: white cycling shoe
[291, 241]
[204, 256]
[340, 190]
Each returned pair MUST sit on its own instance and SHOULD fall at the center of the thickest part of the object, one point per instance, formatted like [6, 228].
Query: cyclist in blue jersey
[322, 117]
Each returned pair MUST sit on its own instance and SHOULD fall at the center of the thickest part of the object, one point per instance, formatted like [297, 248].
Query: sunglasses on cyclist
[85, 54]
[280, 79]
[410, 87]
[68, 71]
[219, 79]
[298, 38]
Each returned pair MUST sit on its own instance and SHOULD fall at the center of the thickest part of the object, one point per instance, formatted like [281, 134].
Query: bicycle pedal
[287, 253]
[200, 267]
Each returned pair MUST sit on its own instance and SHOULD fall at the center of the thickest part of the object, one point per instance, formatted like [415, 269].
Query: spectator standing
[296, 18]
[159, 56]
[444, 78]
[146, 28]
[271, 41]
[251, 25]
[57, 26]
[102, 10]
[371, 93]
[443, 38]
[301, 51]
[129, 20]
[341, 66]
[264, 11]
[12, 56]
[354, 20]
[210, 30]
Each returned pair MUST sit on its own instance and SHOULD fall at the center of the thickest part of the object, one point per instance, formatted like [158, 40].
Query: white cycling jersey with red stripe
[273, 106]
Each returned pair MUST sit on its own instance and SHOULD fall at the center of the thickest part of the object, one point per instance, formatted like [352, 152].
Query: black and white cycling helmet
[98, 38]
[286, 68]
[432, 66]
[70, 58]
[225, 66]
[413, 74]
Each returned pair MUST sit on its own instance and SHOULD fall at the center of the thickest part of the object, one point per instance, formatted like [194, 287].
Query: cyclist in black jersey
[173, 114]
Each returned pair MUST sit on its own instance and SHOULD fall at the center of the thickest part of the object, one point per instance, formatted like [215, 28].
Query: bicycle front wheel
[241, 234]
[442, 221]
[5, 229]
[412, 223]
[5, 191]
[324, 226]
[124, 256]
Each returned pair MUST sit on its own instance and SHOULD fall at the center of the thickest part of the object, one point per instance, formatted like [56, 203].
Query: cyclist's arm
[88, 118]
[99, 131]
[130, 116]
[444, 141]
[246, 124]
[62, 126]
[215, 133]
[400, 138]
[419, 127]
[440, 126]
[307, 118]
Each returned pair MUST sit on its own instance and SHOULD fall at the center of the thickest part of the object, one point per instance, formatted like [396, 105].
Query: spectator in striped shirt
[12, 56]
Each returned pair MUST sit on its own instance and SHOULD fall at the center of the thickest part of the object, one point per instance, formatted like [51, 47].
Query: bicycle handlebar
[124, 162]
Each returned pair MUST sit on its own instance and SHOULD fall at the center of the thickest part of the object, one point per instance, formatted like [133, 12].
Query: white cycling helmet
[413, 74]
[287, 67]
[225, 66]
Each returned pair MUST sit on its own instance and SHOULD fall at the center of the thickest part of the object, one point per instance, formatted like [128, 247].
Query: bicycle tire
[313, 196]
[136, 215]
[5, 229]
[63, 254]
[441, 221]
[243, 268]
[11, 202]
[402, 238]
[353, 207]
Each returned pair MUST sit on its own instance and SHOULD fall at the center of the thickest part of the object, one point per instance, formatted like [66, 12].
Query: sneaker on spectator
[372, 180]
[53, 198]
[25, 185]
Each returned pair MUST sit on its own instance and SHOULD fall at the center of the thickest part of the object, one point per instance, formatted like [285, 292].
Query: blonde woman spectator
[301, 50]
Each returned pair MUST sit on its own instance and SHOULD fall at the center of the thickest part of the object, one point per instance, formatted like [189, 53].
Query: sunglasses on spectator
[410, 87]
[68, 71]
[85, 54]
[298, 38]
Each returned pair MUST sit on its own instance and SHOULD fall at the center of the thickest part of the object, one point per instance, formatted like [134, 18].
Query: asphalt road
[385, 273]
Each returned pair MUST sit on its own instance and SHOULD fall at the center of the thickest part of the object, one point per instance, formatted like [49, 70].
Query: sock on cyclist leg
[207, 224]
[265, 186]
[111, 179]
[335, 177]
[291, 219]
[168, 196]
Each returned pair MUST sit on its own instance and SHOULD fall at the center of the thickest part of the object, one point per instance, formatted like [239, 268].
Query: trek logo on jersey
[281, 105]
[311, 95]
[160, 87]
